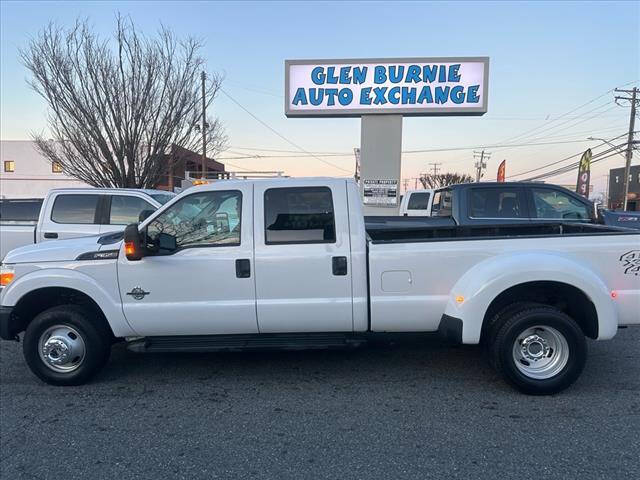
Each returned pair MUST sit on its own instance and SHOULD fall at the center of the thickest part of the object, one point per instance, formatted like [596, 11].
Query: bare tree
[443, 179]
[116, 106]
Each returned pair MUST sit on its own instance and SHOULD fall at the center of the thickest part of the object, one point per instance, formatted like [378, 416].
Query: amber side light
[6, 278]
[129, 248]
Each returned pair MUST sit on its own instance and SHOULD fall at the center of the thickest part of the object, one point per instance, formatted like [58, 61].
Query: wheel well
[37, 301]
[567, 298]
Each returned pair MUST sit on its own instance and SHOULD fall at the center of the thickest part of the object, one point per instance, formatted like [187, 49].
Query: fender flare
[485, 281]
[75, 280]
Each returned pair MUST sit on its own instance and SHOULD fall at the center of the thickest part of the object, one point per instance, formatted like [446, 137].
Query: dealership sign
[404, 86]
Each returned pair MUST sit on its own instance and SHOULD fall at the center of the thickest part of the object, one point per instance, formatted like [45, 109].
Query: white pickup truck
[73, 212]
[289, 263]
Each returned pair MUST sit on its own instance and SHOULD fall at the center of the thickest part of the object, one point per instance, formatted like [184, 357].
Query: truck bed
[419, 229]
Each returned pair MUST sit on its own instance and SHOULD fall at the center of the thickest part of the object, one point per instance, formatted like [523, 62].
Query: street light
[615, 147]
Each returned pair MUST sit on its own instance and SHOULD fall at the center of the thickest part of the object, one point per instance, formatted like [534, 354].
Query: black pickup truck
[476, 205]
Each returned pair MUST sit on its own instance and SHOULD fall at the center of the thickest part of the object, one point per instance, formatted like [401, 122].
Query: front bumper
[9, 327]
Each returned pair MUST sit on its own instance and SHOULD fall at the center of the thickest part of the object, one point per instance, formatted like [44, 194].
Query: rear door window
[125, 209]
[75, 209]
[419, 201]
[299, 215]
[496, 203]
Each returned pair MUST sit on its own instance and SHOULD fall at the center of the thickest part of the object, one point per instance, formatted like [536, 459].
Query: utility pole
[480, 164]
[632, 119]
[405, 183]
[204, 127]
[436, 167]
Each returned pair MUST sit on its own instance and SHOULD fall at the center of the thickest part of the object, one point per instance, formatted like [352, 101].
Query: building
[616, 188]
[24, 173]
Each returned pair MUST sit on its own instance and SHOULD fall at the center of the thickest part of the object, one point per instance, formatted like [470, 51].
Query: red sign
[501, 170]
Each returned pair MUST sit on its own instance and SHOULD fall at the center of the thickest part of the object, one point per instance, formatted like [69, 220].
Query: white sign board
[380, 192]
[404, 86]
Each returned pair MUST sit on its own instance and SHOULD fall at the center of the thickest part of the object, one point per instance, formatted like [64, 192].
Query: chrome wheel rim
[61, 348]
[540, 352]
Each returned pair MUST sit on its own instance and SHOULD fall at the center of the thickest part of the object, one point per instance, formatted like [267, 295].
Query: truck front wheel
[66, 345]
[539, 349]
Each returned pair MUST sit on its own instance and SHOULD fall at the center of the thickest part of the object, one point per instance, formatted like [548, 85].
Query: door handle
[243, 268]
[50, 235]
[339, 265]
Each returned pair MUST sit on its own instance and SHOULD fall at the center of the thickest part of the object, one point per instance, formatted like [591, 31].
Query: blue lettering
[442, 77]
[317, 75]
[413, 74]
[331, 96]
[442, 94]
[394, 95]
[457, 94]
[429, 73]
[316, 95]
[408, 95]
[396, 73]
[472, 94]
[379, 92]
[380, 75]
[344, 75]
[359, 74]
[345, 96]
[454, 76]
[300, 97]
[425, 95]
[331, 75]
[365, 96]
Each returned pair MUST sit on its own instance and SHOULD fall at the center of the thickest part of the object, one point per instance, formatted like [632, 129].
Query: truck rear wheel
[539, 350]
[66, 345]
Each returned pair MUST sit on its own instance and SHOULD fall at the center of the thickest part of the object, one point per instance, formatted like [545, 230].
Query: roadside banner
[584, 174]
[501, 170]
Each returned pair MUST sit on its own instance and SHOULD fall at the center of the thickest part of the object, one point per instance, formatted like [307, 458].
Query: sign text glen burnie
[437, 86]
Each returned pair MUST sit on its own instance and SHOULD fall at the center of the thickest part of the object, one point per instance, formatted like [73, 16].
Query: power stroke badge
[631, 262]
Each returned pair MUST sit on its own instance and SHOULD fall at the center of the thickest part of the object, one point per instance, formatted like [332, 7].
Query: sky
[546, 60]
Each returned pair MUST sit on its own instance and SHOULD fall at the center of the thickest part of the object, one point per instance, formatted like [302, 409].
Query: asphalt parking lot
[410, 411]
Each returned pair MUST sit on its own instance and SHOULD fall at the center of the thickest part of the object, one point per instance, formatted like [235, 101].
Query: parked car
[289, 264]
[73, 212]
[416, 203]
[485, 204]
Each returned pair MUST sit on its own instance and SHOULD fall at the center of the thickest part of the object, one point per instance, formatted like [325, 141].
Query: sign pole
[380, 163]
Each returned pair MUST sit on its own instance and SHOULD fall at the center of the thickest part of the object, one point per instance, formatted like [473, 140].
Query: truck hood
[62, 250]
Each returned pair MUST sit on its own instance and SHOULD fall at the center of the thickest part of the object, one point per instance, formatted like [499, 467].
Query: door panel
[73, 215]
[296, 288]
[195, 291]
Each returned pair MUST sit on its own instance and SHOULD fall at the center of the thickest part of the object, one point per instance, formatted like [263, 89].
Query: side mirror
[132, 244]
[167, 242]
[144, 214]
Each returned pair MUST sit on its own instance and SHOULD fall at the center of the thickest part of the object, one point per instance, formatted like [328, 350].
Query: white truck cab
[290, 263]
[416, 203]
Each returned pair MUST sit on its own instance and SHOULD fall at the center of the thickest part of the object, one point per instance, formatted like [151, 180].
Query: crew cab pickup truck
[73, 212]
[491, 203]
[289, 264]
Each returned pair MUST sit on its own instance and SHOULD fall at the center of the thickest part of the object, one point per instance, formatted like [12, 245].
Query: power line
[558, 161]
[282, 136]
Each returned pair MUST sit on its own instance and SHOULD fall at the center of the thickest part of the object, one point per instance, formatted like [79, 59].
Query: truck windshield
[162, 198]
[419, 201]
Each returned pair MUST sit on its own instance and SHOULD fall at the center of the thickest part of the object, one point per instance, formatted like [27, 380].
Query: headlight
[7, 274]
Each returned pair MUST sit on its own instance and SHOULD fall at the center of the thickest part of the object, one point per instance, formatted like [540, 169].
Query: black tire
[95, 335]
[506, 333]
[491, 329]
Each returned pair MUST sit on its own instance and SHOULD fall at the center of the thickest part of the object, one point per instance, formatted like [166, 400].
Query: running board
[247, 342]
